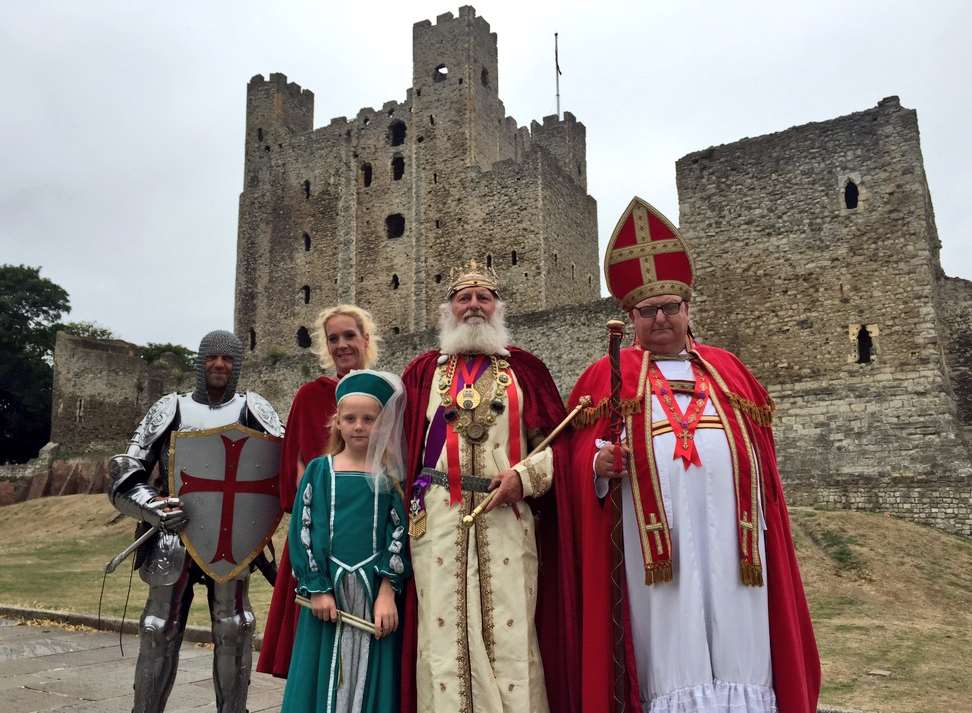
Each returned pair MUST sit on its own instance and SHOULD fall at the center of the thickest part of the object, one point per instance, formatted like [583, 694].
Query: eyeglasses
[651, 311]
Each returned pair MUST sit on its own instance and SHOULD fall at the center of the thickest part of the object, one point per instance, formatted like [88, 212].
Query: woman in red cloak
[350, 341]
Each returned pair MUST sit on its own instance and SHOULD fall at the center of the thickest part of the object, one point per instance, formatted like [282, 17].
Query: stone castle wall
[788, 274]
[956, 321]
[376, 210]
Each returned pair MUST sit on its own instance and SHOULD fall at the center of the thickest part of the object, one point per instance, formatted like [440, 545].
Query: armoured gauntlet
[144, 503]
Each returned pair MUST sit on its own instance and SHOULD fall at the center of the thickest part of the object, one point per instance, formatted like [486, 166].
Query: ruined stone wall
[956, 320]
[378, 209]
[788, 274]
[101, 391]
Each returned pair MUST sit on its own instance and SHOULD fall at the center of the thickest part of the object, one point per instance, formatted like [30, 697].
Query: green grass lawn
[885, 595]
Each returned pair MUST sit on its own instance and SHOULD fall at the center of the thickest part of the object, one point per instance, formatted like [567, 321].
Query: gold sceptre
[343, 617]
[583, 403]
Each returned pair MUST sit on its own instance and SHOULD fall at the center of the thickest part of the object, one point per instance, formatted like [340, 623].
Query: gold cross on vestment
[747, 526]
[655, 528]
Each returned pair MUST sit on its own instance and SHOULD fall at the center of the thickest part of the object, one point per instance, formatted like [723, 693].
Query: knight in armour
[163, 561]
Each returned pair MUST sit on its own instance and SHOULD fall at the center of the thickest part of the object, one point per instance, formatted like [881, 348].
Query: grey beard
[488, 337]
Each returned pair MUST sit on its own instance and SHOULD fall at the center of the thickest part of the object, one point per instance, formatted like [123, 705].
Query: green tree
[92, 330]
[30, 310]
[153, 350]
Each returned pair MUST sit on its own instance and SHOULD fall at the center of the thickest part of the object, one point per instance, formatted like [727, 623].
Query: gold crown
[473, 274]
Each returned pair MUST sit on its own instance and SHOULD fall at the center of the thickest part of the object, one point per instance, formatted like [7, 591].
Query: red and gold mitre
[646, 257]
[473, 274]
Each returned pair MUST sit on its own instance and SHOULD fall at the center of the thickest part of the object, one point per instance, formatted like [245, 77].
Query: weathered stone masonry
[376, 210]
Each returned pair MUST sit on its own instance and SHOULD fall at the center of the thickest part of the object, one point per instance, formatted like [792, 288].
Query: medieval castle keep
[377, 209]
[816, 252]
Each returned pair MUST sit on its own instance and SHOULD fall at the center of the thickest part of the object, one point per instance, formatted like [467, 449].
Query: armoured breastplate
[194, 416]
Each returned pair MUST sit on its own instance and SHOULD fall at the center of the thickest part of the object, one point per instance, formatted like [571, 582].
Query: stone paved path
[45, 668]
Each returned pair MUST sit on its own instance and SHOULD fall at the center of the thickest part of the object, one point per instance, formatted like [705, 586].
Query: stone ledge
[196, 634]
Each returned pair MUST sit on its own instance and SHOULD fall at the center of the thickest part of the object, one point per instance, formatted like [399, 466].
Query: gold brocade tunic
[477, 587]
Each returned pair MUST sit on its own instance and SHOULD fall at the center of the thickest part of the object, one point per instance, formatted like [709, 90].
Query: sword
[343, 616]
[121, 556]
[584, 402]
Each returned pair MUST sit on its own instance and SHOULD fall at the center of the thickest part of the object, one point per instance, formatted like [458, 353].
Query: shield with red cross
[646, 257]
[228, 481]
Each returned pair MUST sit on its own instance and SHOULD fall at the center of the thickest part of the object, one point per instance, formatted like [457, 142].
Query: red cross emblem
[228, 481]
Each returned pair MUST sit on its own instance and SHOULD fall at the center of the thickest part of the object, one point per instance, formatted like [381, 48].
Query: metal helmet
[218, 342]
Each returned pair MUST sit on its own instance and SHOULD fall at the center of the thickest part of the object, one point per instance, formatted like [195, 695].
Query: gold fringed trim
[762, 415]
[603, 408]
[752, 574]
[658, 573]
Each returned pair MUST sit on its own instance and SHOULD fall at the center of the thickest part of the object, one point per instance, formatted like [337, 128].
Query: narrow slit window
[366, 174]
[865, 346]
[252, 339]
[489, 260]
[398, 168]
[851, 194]
[395, 282]
[513, 258]
[306, 243]
[305, 292]
[306, 189]
[260, 135]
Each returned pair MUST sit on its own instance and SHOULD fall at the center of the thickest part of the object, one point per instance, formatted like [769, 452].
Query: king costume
[489, 617]
[714, 616]
[347, 533]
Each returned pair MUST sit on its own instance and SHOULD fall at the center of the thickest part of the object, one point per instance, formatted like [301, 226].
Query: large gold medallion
[476, 432]
[468, 398]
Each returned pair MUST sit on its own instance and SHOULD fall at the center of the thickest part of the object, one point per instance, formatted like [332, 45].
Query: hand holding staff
[583, 403]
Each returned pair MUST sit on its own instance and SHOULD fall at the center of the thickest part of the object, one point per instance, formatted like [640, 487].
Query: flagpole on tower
[557, 75]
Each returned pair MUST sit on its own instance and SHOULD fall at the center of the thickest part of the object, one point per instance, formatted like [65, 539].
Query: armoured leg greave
[160, 636]
[233, 625]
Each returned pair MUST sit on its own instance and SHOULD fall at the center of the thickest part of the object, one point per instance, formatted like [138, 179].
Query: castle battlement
[376, 208]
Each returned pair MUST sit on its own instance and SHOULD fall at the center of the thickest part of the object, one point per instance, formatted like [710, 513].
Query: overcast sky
[121, 123]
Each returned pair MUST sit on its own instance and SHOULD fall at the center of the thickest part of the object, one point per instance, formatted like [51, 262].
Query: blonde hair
[335, 442]
[366, 325]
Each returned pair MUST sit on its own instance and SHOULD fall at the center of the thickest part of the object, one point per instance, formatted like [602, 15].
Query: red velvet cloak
[305, 439]
[796, 664]
[557, 614]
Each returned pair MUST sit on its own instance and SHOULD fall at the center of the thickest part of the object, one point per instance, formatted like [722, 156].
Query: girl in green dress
[348, 553]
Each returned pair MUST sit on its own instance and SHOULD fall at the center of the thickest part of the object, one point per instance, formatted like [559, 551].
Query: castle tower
[817, 262]
[375, 210]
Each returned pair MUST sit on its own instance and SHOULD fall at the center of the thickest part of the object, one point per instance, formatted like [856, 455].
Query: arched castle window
[513, 259]
[306, 243]
[252, 339]
[484, 77]
[440, 74]
[396, 133]
[305, 291]
[395, 225]
[260, 135]
[366, 174]
[306, 189]
[398, 168]
[865, 346]
[850, 195]
[395, 282]
[303, 338]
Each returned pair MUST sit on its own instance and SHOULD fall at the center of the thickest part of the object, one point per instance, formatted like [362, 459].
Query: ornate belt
[469, 483]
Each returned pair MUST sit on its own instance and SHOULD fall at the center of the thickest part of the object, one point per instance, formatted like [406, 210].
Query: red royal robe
[796, 663]
[305, 439]
[557, 614]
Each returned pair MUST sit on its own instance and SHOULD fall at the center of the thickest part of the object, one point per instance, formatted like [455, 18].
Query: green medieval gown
[345, 537]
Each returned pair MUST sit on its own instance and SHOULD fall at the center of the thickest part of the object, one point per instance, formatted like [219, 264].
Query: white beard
[486, 337]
